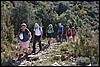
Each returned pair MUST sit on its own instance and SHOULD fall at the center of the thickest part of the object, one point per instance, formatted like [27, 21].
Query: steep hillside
[84, 15]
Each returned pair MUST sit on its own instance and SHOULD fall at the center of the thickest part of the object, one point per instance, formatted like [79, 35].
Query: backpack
[30, 33]
[39, 28]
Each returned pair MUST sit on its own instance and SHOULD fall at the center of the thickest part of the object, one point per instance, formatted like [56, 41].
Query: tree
[22, 12]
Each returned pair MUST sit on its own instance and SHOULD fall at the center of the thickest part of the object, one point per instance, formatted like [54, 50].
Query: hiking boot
[49, 42]
[20, 56]
[41, 49]
[33, 52]
[26, 56]
[26, 53]
[61, 41]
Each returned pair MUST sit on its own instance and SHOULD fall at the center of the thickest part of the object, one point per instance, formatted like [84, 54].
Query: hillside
[83, 14]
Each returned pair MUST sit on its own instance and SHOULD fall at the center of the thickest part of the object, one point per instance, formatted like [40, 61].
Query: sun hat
[23, 24]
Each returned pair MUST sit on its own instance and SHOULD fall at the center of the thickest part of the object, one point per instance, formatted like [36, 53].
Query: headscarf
[36, 26]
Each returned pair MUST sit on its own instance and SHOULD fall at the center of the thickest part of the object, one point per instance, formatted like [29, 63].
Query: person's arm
[53, 30]
[29, 35]
[41, 34]
[33, 31]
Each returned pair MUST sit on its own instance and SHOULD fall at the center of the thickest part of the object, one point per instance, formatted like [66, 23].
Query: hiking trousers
[36, 38]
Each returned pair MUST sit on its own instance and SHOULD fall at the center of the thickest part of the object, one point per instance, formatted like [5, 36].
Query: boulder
[83, 61]
[33, 57]
[55, 64]
[64, 64]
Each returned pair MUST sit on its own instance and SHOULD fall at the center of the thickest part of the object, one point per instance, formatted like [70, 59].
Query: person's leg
[34, 42]
[61, 36]
[20, 54]
[71, 38]
[65, 38]
[75, 38]
[40, 45]
[26, 56]
[21, 47]
[48, 38]
[26, 50]
[26, 45]
[68, 38]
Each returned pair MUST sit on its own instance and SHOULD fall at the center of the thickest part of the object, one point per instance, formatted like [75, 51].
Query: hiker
[60, 32]
[24, 37]
[49, 32]
[74, 33]
[37, 33]
[69, 34]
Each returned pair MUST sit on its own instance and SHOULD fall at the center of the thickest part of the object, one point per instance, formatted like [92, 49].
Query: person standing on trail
[37, 33]
[49, 32]
[60, 32]
[24, 37]
[74, 33]
[69, 34]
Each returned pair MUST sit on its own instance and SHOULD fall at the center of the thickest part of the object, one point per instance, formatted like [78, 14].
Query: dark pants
[36, 38]
[60, 35]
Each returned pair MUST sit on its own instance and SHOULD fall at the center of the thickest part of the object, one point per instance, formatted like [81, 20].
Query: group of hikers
[25, 36]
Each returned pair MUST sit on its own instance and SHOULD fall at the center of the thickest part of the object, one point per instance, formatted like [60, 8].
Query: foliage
[69, 13]
[85, 47]
[22, 12]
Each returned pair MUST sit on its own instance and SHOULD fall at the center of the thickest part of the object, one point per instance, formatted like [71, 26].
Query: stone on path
[55, 64]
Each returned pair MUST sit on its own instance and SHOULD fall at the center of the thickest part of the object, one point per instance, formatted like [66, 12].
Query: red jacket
[69, 31]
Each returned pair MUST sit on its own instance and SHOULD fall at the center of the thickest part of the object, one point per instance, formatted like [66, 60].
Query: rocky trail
[52, 55]
[85, 16]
